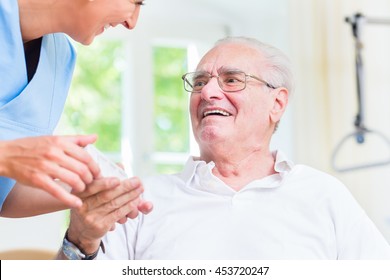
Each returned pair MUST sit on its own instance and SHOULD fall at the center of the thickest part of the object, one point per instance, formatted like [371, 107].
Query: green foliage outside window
[170, 100]
[168, 168]
[171, 124]
[94, 101]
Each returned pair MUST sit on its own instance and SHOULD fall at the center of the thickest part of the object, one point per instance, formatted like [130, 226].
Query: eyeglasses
[228, 81]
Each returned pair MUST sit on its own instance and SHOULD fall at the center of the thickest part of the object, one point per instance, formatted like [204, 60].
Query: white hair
[279, 74]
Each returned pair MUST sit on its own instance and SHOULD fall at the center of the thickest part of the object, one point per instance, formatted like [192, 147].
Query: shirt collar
[282, 166]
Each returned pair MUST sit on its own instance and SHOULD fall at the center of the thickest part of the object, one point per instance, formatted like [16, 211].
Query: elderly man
[238, 200]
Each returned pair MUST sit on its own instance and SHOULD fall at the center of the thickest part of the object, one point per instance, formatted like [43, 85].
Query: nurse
[36, 67]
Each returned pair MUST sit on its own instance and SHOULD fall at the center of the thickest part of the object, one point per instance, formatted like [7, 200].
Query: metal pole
[378, 20]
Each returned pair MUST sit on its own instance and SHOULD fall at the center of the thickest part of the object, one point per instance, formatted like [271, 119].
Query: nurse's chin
[87, 41]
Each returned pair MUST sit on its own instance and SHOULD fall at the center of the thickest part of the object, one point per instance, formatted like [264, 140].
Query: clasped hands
[106, 201]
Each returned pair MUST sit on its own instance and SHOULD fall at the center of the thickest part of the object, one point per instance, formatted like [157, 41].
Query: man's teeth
[214, 112]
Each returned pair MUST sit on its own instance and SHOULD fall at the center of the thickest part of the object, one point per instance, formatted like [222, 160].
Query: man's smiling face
[242, 116]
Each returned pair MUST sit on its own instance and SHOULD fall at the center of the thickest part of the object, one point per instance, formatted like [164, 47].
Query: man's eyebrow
[226, 69]
[201, 74]
[221, 69]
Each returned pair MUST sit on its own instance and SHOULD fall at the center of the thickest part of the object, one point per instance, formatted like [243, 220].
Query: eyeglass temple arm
[260, 80]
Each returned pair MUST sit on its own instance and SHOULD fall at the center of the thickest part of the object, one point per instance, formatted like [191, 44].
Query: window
[94, 101]
[171, 124]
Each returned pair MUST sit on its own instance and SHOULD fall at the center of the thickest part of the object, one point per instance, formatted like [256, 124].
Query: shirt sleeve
[6, 186]
[357, 236]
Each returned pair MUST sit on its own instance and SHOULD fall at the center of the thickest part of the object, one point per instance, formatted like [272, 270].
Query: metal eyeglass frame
[219, 82]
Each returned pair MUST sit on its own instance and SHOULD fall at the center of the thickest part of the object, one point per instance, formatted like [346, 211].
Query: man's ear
[279, 105]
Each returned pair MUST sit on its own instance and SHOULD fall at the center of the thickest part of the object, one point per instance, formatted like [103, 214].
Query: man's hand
[39, 161]
[105, 202]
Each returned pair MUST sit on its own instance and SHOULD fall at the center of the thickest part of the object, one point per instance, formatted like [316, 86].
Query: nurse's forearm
[24, 201]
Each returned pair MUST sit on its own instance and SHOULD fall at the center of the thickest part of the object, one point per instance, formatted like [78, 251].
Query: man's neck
[239, 168]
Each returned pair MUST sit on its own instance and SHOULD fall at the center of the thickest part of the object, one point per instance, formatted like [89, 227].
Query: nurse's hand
[39, 161]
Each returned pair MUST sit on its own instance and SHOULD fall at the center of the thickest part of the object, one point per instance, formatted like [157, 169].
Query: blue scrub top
[30, 108]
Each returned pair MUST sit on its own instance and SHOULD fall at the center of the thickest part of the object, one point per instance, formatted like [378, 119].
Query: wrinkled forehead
[232, 56]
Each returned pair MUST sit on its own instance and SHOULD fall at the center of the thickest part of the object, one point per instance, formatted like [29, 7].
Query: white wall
[41, 232]
[325, 102]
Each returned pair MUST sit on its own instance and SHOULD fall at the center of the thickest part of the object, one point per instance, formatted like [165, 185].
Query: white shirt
[298, 213]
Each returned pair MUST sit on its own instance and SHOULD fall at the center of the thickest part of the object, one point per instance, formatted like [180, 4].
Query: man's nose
[212, 90]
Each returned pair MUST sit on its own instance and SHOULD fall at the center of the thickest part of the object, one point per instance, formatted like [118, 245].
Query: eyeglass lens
[228, 81]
